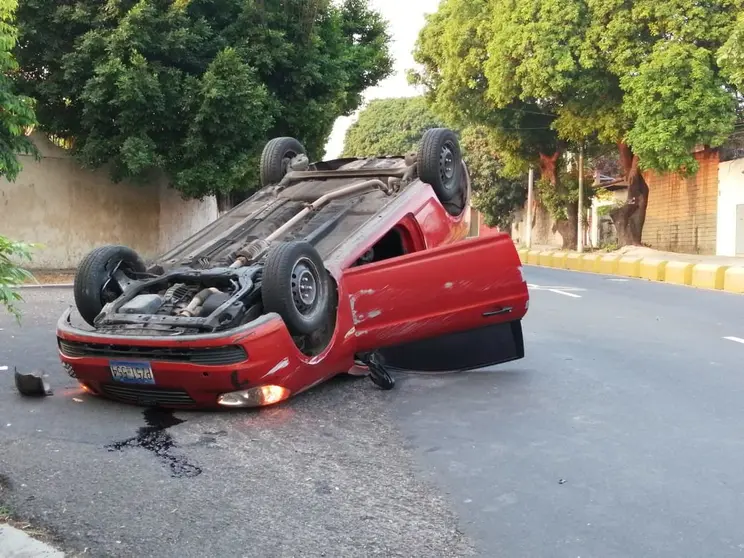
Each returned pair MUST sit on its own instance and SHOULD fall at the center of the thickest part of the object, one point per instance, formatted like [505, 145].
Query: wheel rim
[447, 165]
[305, 286]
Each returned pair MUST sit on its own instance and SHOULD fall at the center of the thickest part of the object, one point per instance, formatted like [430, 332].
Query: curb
[712, 277]
[49, 286]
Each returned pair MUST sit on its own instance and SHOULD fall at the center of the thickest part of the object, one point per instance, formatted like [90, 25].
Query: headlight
[254, 397]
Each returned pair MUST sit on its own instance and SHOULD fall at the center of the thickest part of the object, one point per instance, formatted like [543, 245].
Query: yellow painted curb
[522, 255]
[559, 260]
[573, 262]
[629, 267]
[653, 270]
[545, 259]
[679, 273]
[733, 280]
[591, 263]
[608, 265]
[533, 257]
[708, 276]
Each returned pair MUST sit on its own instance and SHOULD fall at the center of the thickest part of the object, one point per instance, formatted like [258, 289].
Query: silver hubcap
[304, 285]
[447, 165]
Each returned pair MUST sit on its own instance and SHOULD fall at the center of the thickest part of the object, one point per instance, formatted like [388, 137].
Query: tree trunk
[630, 217]
[548, 166]
[567, 228]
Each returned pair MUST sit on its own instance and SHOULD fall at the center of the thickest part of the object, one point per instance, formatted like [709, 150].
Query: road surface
[620, 434]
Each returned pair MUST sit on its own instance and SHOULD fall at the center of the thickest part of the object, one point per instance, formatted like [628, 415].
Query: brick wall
[681, 214]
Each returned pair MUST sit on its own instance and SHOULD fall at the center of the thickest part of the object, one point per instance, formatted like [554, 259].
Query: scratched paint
[374, 314]
[356, 316]
[350, 333]
[449, 285]
[282, 365]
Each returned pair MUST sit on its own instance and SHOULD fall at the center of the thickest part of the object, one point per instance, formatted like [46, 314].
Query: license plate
[132, 372]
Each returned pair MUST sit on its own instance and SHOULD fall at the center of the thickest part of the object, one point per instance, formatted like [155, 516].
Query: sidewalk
[694, 270]
[14, 543]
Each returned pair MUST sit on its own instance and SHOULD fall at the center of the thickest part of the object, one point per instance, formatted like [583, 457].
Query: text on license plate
[132, 372]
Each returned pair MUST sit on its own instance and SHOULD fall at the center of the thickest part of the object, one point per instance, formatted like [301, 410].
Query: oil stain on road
[156, 439]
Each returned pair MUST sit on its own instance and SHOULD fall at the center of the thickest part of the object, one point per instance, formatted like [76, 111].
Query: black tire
[93, 273]
[296, 285]
[440, 162]
[276, 157]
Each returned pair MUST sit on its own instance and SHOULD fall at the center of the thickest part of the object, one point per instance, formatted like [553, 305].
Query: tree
[496, 196]
[655, 79]
[452, 50]
[16, 111]
[11, 274]
[389, 127]
[195, 88]
[16, 118]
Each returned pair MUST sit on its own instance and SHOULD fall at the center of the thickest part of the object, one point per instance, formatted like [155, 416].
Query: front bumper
[193, 371]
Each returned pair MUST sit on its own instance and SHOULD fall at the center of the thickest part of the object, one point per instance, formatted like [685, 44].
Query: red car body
[449, 302]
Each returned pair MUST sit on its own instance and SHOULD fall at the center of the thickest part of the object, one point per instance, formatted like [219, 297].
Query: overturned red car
[329, 265]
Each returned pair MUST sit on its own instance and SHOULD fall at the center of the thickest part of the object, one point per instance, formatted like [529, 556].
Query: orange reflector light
[255, 397]
[86, 388]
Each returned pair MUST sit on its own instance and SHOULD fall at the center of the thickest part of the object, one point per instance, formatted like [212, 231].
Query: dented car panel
[460, 287]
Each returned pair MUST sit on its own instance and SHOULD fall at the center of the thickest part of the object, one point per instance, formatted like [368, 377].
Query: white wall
[179, 218]
[69, 211]
[730, 194]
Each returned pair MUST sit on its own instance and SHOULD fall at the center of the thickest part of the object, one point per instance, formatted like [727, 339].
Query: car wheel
[275, 159]
[93, 288]
[439, 163]
[296, 285]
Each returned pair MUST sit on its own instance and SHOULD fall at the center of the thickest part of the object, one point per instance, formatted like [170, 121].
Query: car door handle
[499, 312]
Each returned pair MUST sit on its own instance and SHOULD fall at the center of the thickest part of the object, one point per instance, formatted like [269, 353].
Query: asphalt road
[620, 435]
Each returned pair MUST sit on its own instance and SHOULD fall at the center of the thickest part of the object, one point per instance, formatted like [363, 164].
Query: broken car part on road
[327, 264]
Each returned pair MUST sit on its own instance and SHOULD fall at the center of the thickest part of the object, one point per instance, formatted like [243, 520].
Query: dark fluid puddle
[155, 439]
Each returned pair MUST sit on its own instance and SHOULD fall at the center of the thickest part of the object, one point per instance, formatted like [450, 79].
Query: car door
[453, 307]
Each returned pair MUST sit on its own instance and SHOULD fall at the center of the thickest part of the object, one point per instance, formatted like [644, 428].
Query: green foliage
[196, 87]
[452, 50]
[677, 100]
[11, 274]
[661, 76]
[389, 127]
[730, 57]
[16, 117]
[606, 210]
[495, 195]
[677, 70]
[16, 111]
[557, 199]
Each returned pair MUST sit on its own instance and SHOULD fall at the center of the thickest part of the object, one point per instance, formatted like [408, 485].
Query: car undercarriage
[266, 255]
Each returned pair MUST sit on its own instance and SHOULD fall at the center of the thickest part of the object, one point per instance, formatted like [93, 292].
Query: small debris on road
[32, 384]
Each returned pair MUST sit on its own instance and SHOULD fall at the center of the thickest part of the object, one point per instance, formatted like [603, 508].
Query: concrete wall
[180, 218]
[731, 194]
[70, 211]
[542, 229]
[681, 214]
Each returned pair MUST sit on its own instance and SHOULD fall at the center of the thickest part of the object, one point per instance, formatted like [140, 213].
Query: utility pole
[530, 197]
[580, 226]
